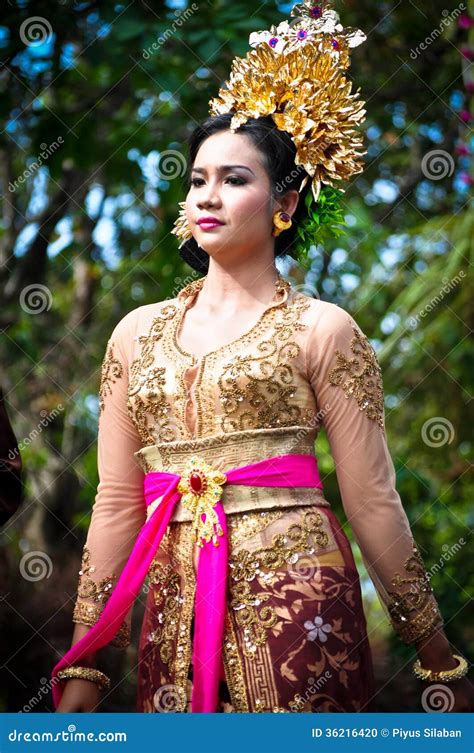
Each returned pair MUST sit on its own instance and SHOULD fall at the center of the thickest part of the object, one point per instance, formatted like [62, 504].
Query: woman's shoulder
[143, 314]
[328, 320]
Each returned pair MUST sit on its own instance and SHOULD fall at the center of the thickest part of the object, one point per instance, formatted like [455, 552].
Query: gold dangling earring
[181, 228]
[281, 221]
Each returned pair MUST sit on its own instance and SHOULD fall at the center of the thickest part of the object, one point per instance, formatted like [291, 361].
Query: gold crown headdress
[295, 73]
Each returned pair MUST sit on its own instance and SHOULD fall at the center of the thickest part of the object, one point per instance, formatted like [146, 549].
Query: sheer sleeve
[347, 382]
[118, 512]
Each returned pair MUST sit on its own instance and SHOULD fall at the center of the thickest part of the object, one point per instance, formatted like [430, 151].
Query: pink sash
[211, 579]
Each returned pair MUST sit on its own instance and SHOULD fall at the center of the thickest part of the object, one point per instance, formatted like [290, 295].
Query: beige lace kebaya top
[304, 365]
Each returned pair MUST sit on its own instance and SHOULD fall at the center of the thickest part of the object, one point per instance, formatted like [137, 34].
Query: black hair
[279, 152]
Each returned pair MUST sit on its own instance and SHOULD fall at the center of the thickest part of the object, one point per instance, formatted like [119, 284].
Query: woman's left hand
[454, 697]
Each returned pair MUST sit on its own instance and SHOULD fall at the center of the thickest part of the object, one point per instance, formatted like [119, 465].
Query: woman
[237, 368]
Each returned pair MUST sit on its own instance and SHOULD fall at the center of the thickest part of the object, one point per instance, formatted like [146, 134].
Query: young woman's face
[238, 196]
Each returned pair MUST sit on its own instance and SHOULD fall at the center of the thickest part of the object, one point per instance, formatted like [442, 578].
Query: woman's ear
[288, 202]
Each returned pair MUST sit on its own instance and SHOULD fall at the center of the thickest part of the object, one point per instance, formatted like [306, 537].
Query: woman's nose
[209, 195]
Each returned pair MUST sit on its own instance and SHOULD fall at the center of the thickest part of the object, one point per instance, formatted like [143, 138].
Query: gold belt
[225, 451]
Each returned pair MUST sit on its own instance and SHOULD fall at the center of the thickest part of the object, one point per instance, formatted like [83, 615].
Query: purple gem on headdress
[302, 34]
[335, 44]
[316, 12]
[273, 41]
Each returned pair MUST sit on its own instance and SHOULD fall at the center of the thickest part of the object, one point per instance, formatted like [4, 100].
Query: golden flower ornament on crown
[296, 73]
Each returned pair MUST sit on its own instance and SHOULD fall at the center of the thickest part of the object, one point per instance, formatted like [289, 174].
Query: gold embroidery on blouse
[89, 614]
[191, 289]
[88, 588]
[360, 377]
[167, 600]
[414, 612]
[256, 389]
[100, 592]
[147, 403]
[111, 370]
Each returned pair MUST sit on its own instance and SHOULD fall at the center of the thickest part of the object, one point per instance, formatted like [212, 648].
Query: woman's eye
[239, 181]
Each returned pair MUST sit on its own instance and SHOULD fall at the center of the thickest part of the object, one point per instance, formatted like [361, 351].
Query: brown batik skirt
[295, 636]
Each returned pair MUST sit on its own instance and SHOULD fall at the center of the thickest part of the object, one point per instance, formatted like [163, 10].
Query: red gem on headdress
[335, 44]
[316, 12]
[273, 41]
[195, 481]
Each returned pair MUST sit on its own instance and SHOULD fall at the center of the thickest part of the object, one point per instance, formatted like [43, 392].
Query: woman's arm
[347, 382]
[118, 512]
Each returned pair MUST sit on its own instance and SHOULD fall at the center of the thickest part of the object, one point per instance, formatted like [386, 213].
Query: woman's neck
[240, 289]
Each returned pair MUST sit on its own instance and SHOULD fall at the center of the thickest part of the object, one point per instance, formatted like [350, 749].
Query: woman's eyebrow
[222, 168]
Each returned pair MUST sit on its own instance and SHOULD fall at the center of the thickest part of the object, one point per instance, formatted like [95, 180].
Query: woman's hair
[278, 152]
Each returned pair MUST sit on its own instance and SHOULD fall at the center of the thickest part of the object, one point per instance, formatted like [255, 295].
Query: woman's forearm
[435, 652]
[80, 631]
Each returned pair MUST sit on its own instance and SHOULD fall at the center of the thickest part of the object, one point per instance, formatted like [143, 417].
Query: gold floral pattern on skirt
[295, 637]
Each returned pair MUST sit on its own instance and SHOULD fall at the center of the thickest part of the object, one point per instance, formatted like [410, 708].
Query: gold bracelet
[444, 675]
[85, 673]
